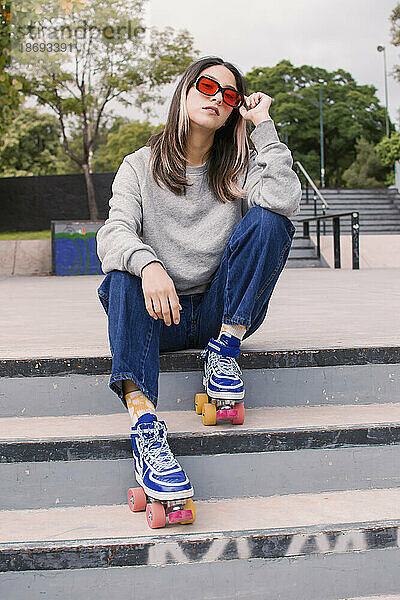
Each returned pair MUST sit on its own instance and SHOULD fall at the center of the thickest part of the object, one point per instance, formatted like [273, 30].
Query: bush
[367, 171]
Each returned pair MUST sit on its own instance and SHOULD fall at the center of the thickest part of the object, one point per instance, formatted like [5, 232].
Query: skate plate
[159, 513]
[214, 409]
[226, 413]
[175, 516]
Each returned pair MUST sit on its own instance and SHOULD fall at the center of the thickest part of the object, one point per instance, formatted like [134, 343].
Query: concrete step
[357, 197]
[366, 217]
[365, 229]
[351, 204]
[302, 253]
[385, 597]
[356, 193]
[45, 430]
[231, 551]
[353, 198]
[86, 459]
[306, 263]
[301, 242]
[365, 220]
[365, 210]
[365, 223]
[310, 377]
[296, 262]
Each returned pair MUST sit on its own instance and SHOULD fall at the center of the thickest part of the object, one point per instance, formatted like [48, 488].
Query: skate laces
[222, 365]
[154, 446]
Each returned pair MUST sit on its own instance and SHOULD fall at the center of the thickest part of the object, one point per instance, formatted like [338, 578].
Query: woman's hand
[257, 109]
[160, 294]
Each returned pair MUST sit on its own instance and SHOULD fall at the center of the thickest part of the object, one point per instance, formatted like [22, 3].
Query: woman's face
[196, 101]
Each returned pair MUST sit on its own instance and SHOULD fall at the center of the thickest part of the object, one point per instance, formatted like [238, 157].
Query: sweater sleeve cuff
[139, 260]
[264, 134]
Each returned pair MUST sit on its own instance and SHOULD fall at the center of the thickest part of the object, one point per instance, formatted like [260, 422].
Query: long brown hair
[229, 154]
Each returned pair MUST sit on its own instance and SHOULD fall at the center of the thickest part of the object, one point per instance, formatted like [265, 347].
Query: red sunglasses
[209, 87]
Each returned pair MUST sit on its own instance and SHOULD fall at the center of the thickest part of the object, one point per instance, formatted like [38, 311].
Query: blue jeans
[239, 292]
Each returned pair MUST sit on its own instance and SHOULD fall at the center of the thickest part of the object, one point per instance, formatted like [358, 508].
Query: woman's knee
[268, 221]
[118, 280]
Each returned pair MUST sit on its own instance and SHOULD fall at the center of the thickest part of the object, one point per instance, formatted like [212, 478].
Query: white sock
[237, 331]
[138, 404]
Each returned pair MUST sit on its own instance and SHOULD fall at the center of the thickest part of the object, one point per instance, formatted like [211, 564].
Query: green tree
[97, 53]
[367, 171]
[10, 87]
[66, 165]
[128, 138]
[388, 151]
[395, 31]
[30, 144]
[350, 111]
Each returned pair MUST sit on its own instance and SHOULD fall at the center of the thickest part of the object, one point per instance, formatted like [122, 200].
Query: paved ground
[48, 316]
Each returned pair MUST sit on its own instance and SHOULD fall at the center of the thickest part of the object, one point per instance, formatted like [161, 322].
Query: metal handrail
[355, 233]
[314, 187]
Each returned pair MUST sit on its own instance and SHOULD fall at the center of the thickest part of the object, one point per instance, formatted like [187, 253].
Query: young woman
[197, 236]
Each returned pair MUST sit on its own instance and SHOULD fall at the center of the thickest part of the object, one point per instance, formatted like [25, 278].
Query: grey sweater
[188, 234]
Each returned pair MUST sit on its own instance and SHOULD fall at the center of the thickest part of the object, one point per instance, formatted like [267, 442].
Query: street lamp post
[321, 138]
[286, 131]
[321, 129]
[382, 49]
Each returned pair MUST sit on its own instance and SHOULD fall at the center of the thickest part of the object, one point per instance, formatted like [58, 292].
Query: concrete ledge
[25, 257]
[376, 251]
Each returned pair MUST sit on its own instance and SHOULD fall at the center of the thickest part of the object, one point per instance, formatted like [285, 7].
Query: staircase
[300, 502]
[379, 211]
[303, 253]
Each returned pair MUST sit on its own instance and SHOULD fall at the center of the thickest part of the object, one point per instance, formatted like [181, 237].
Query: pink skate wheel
[155, 513]
[136, 499]
[239, 419]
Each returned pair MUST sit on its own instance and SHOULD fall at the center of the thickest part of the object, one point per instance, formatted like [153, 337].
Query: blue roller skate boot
[222, 381]
[156, 469]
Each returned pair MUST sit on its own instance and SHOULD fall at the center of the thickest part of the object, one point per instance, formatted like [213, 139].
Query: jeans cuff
[119, 391]
[103, 295]
[236, 321]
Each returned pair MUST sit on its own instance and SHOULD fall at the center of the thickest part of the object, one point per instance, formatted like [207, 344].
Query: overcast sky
[329, 34]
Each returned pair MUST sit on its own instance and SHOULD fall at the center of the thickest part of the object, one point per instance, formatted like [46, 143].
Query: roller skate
[165, 491]
[222, 383]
